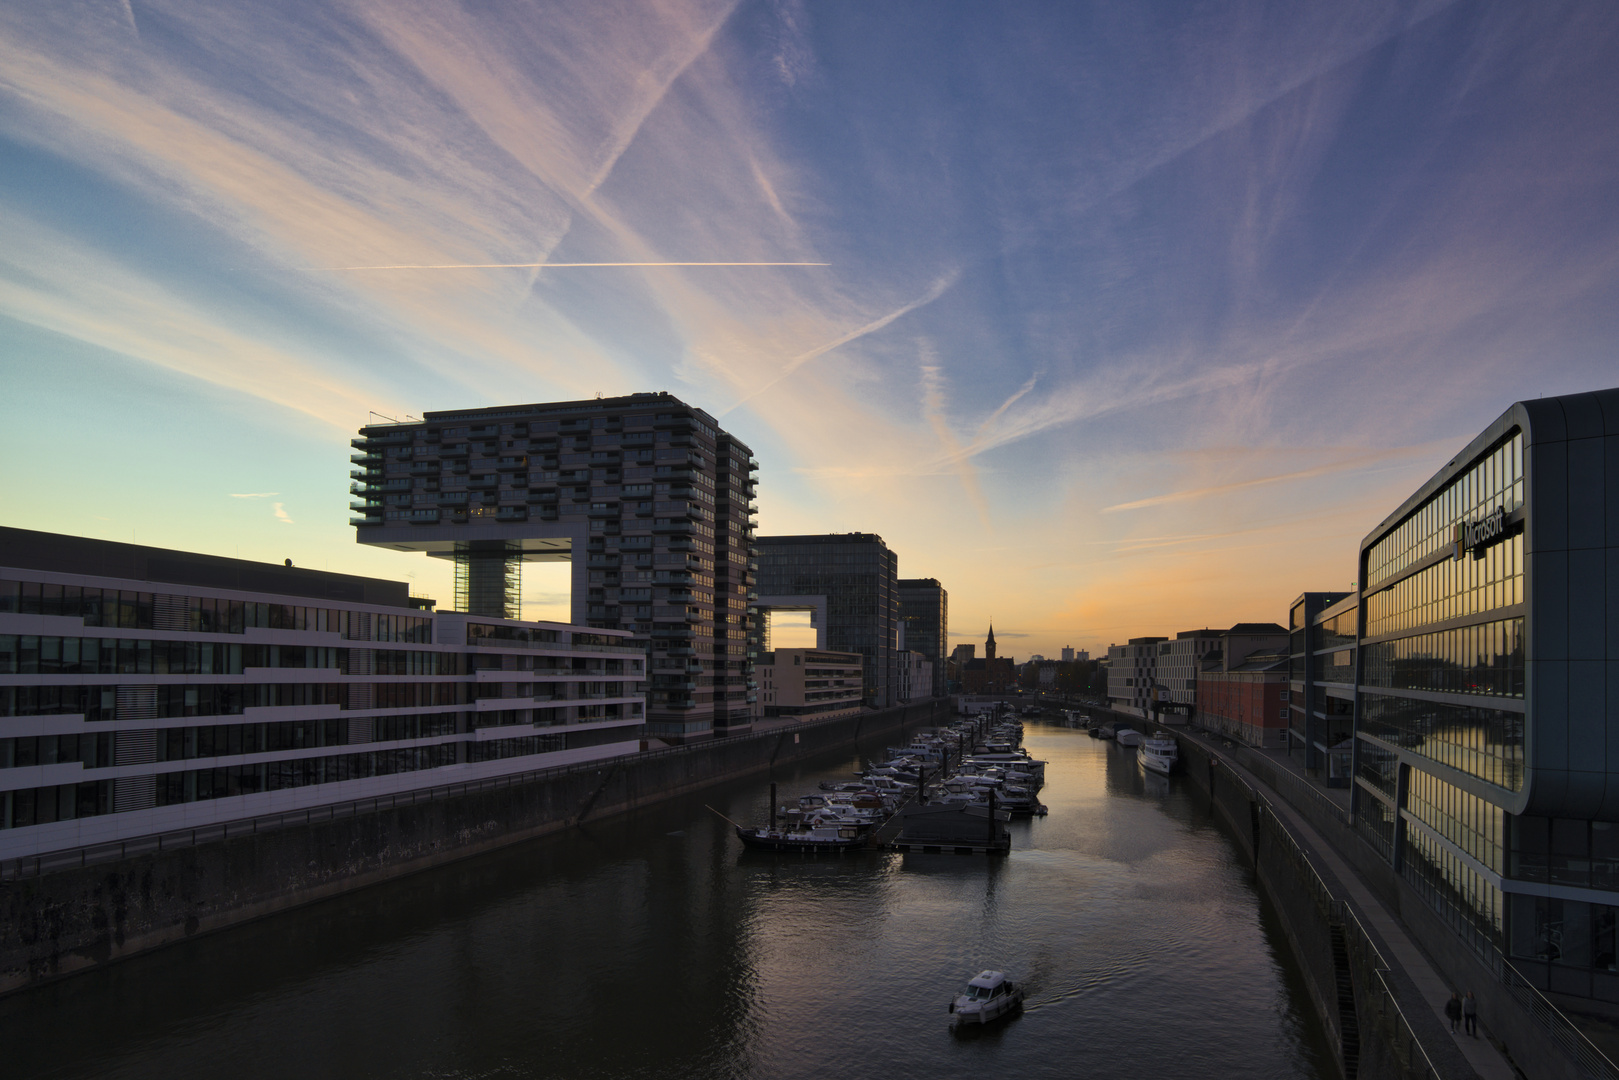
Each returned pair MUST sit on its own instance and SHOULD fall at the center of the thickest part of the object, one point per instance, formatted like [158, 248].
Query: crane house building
[1486, 679]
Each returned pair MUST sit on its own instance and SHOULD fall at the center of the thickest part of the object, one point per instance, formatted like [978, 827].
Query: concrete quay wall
[1376, 1038]
[83, 917]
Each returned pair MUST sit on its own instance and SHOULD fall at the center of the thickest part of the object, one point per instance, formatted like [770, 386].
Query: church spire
[989, 643]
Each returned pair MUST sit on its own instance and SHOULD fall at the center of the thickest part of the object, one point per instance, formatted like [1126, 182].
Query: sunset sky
[1126, 318]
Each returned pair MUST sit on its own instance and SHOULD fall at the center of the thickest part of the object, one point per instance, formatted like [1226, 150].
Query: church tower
[989, 644]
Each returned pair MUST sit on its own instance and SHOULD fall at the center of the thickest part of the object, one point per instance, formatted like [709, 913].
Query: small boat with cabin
[989, 997]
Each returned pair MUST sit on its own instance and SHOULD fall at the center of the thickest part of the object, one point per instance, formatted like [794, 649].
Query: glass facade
[859, 576]
[1495, 480]
[1482, 742]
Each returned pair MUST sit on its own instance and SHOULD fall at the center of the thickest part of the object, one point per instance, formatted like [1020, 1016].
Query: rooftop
[57, 553]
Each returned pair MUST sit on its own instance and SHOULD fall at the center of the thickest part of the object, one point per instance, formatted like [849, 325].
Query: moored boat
[803, 839]
[1161, 754]
[1128, 737]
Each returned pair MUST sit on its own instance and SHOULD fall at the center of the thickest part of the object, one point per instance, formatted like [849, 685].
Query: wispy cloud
[254, 495]
[281, 514]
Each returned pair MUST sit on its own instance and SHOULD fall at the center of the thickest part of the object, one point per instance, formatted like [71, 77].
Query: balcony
[392, 438]
[675, 423]
[484, 480]
[602, 510]
[664, 525]
[458, 451]
[485, 431]
[549, 497]
[366, 507]
[365, 476]
[512, 513]
[368, 459]
[507, 463]
[424, 468]
[451, 498]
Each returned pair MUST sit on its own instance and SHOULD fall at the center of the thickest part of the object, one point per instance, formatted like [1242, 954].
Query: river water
[651, 946]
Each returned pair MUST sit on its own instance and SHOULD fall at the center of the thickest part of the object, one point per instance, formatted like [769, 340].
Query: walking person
[1470, 1014]
[1453, 1010]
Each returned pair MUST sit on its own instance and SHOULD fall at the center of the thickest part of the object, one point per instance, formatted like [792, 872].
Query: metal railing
[1564, 1032]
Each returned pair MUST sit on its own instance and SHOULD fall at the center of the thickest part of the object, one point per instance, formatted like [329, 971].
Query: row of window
[218, 699]
[1570, 933]
[1485, 659]
[1495, 480]
[1463, 898]
[1450, 589]
[1472, 824]
[1486, 743]
[202, 614]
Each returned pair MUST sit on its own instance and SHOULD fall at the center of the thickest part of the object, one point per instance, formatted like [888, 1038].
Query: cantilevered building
[645, 495]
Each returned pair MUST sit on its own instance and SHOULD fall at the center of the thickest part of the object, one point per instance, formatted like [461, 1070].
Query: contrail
[563, 266]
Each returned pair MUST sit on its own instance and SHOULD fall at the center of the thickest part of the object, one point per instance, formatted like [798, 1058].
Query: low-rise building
[811, 684]
[145, 691]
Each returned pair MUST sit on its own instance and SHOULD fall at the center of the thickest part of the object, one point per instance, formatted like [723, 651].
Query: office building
[810, 684]
[1132, 674]
[1484, 652]
[1067, 654]
[1321, 701]
[145, 691]
[859, 577]
[925, 607]
[1176, 671]
[646, 497]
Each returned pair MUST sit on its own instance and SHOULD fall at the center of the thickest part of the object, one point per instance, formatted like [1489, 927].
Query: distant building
[859, 577]
[810, 684]
[1242, 688]
[925, 608]
[1177, 670]
[1067, 654]
[991, 675]
[146, 691]
[1132, 674]
[916, 676]
[1321, 682]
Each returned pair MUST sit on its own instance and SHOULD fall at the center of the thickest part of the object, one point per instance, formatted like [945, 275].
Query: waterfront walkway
[1396, 944]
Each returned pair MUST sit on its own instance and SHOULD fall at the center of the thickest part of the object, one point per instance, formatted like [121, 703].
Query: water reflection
[650, 946]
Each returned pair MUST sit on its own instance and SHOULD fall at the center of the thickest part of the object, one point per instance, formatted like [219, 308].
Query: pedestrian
[1453, 1010]
[1470, 1014]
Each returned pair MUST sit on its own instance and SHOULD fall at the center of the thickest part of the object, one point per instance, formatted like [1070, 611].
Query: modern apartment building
[1177, 667]
[1483, 649]
[646, 496]
[1132, 674]
[810, 684]
[859, 576]
[145, 691]
[925, 607]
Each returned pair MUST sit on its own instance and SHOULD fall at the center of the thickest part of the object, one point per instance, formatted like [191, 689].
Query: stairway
[1348, 1024]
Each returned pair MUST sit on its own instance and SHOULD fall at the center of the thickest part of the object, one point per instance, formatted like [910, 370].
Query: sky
[1117, 318]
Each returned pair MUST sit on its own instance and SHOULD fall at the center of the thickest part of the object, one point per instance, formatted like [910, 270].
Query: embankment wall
[78, 918]
[1375, 1042]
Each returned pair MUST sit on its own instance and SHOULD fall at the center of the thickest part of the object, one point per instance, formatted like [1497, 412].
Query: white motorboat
[1129, 737]
[1160, 754]
[990, 996]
